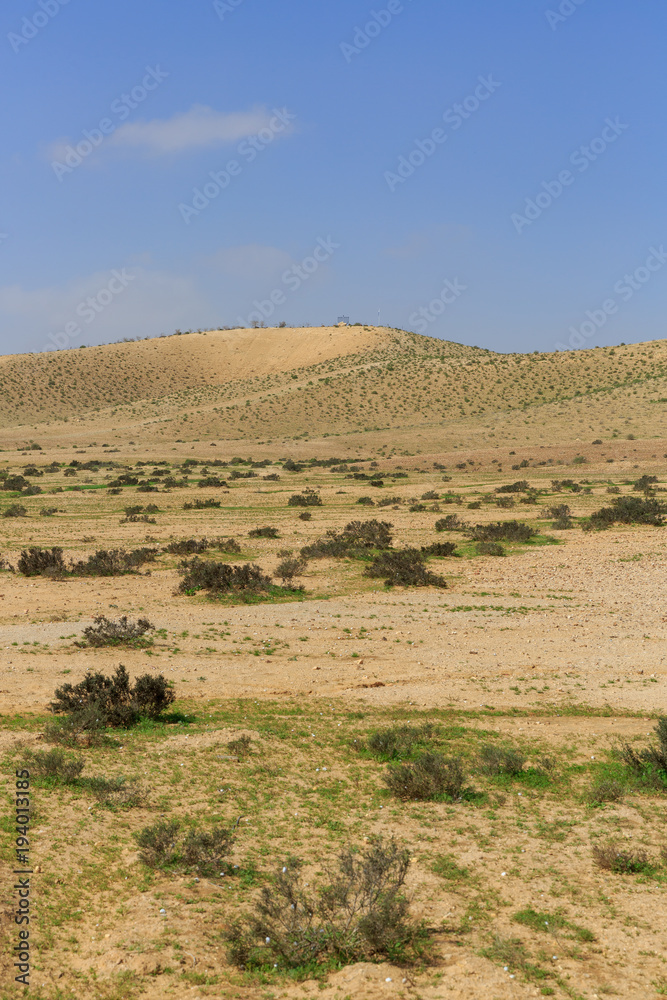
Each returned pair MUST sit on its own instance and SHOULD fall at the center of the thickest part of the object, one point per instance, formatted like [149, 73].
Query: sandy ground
[573, 635]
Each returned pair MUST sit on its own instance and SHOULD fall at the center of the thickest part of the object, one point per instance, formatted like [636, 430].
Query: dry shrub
[240, 746]
[649, 764]
[358, 913]
[116, 792]
[54, 764]
[399, 742]
[496, 760]
[621, 860]
[605, 790]
[165, 845]
[106, 632]
[431, 777]
[266, 532]
[288, 568]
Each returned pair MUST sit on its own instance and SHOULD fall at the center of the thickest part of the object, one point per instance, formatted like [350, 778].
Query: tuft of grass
[622, 861]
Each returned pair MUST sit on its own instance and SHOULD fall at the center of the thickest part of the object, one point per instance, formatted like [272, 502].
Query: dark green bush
[221, 578]
[213, 481]
[450, 523]
[502, 531]
[15, 510]
[356, 538]
[202, 504]
[404, 568]
[645, 483]
[113, 701]
[519, 487]
[113, 562]
[42, 562]
[440, 549]
[630, 510]
[309, 498]
[490, 549]
[15, 484]
[194, 546]
[267, 532]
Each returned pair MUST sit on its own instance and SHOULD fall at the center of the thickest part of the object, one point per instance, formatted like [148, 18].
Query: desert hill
[326, 382]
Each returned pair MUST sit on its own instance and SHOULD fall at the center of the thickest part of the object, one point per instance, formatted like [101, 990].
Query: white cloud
[199, 128]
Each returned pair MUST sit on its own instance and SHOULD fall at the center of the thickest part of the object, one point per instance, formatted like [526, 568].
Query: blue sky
[530, 138]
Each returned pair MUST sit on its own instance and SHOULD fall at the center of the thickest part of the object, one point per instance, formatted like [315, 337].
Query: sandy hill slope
[328, 382]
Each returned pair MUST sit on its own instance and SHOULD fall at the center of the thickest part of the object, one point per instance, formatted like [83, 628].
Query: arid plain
[545, 645]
